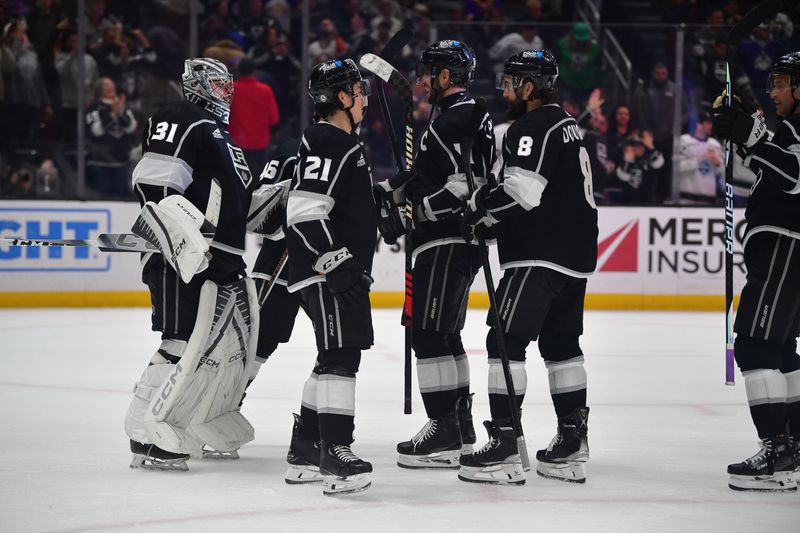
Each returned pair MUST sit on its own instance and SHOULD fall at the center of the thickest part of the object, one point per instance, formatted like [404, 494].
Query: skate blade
[302, 474]
[339, 486]
[782, 482]
[217, 455]
[145, 462]
[438, 460]
[502, 474]
[572, 472]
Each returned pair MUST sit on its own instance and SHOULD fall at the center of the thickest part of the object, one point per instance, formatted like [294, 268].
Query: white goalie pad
[198, 403]
[267, 207]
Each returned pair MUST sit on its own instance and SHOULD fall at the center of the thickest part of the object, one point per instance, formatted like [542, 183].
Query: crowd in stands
[134, 51]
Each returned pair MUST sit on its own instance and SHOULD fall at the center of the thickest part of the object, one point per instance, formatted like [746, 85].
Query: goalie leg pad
[199, 403]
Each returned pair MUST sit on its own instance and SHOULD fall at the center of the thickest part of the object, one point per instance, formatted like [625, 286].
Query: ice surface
[663, 427]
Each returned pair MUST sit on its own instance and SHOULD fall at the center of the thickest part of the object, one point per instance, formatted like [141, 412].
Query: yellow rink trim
[628, 302]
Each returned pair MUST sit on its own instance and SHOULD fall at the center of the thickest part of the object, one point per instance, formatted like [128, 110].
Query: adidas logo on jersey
[217, 134]
[361, 161]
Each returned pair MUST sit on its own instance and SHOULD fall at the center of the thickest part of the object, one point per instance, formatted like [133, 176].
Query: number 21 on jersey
[317, 168]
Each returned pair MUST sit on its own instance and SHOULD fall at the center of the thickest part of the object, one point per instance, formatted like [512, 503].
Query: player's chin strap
[198, 402]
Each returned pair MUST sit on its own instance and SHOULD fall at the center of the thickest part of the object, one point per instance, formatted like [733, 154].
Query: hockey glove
[268, 209]
[392, 189]
[346, 278]
[391, 222]
[475, 216]
[740, 123]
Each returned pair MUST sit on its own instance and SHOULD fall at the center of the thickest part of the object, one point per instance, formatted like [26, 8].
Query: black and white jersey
[185, 148]
[278, 169]
[774, 203]
[440, 187]
[330, 203]
[544, 201]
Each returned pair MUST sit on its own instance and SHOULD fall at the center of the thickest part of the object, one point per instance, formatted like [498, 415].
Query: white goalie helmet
[207, 83]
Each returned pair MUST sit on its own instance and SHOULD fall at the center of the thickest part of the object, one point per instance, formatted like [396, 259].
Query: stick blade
[397, 42]
[762, 12]
[377, 66]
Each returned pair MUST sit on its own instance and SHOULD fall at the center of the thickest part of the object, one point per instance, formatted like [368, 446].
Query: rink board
[648, 258]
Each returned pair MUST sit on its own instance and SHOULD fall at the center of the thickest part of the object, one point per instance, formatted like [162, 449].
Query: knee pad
[764, 385]
[515, 346]
[497, 379]
[336, 390]
[559, 347]
[341, 361]
[754, 354]
[430, 344]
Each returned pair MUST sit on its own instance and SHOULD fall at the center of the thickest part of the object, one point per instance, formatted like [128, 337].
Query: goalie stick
[475, 122]
[386, 72]
[762, 12]
[127, 242]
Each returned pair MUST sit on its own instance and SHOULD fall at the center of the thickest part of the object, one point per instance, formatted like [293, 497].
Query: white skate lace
[344, 453]
[554, 442]
[493, 442]
[759, 454]
[427, 430]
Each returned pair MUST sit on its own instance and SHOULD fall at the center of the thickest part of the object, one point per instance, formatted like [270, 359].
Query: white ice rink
[662, 429]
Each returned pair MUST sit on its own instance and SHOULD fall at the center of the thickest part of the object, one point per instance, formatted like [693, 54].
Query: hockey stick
[276, 272]
[386, 72]
[475, 122]
[763, 11]
[129, 242]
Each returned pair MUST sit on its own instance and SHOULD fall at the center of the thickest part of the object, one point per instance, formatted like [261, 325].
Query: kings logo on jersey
[53, 223]
[240, 164]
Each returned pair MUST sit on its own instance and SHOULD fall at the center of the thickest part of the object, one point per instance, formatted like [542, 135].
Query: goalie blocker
[194, 402]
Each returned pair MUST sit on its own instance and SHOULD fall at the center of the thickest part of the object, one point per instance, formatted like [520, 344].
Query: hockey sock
[336, 405]
[308, 407]
[498, 393]
[437, 372]
[793, 402]
[766, 395]
[567, 384]
[462, 364]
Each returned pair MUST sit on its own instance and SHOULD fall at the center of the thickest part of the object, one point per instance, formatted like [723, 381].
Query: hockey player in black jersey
[768, 319]
[445, 266]
[545, 219]
[190, 163]
[330, 229]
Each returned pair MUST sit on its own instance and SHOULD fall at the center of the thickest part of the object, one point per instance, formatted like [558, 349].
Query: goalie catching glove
[346, 278]
[740, 123]
[176, 227]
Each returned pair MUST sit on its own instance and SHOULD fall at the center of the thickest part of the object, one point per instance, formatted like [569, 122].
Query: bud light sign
[55, 223]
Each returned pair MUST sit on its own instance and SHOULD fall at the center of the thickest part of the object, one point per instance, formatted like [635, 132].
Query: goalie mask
[207, 83]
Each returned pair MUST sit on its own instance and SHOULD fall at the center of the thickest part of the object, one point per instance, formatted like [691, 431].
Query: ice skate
[217, 455]
[566, 456]
[437, 445]
[303, 457]
[151, 457]
[498, 462]
[769, 470]
[343, 471]
[465, 425]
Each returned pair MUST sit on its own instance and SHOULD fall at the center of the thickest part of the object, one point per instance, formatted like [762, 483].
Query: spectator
[654, 106]
[329, 44]
[8, 64]
[225, 50]
[280, 11]
[636, 175]
[756, 56]
[603, 168]
[385, 14]
[254, 21]
[579, 64]
[711, 71]
[700, 165]
[67, 65]
[620, 128]
[361, 41]
[27, 101]
[218, 24]
[511, 43]
[110, 125]
[253, 112]
[95, 22]
[704, 37]
[284, 77]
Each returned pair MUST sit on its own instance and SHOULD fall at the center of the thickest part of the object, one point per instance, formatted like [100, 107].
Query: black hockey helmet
[539, 66]
[455, 56]
[789, 65]
[330, 77]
